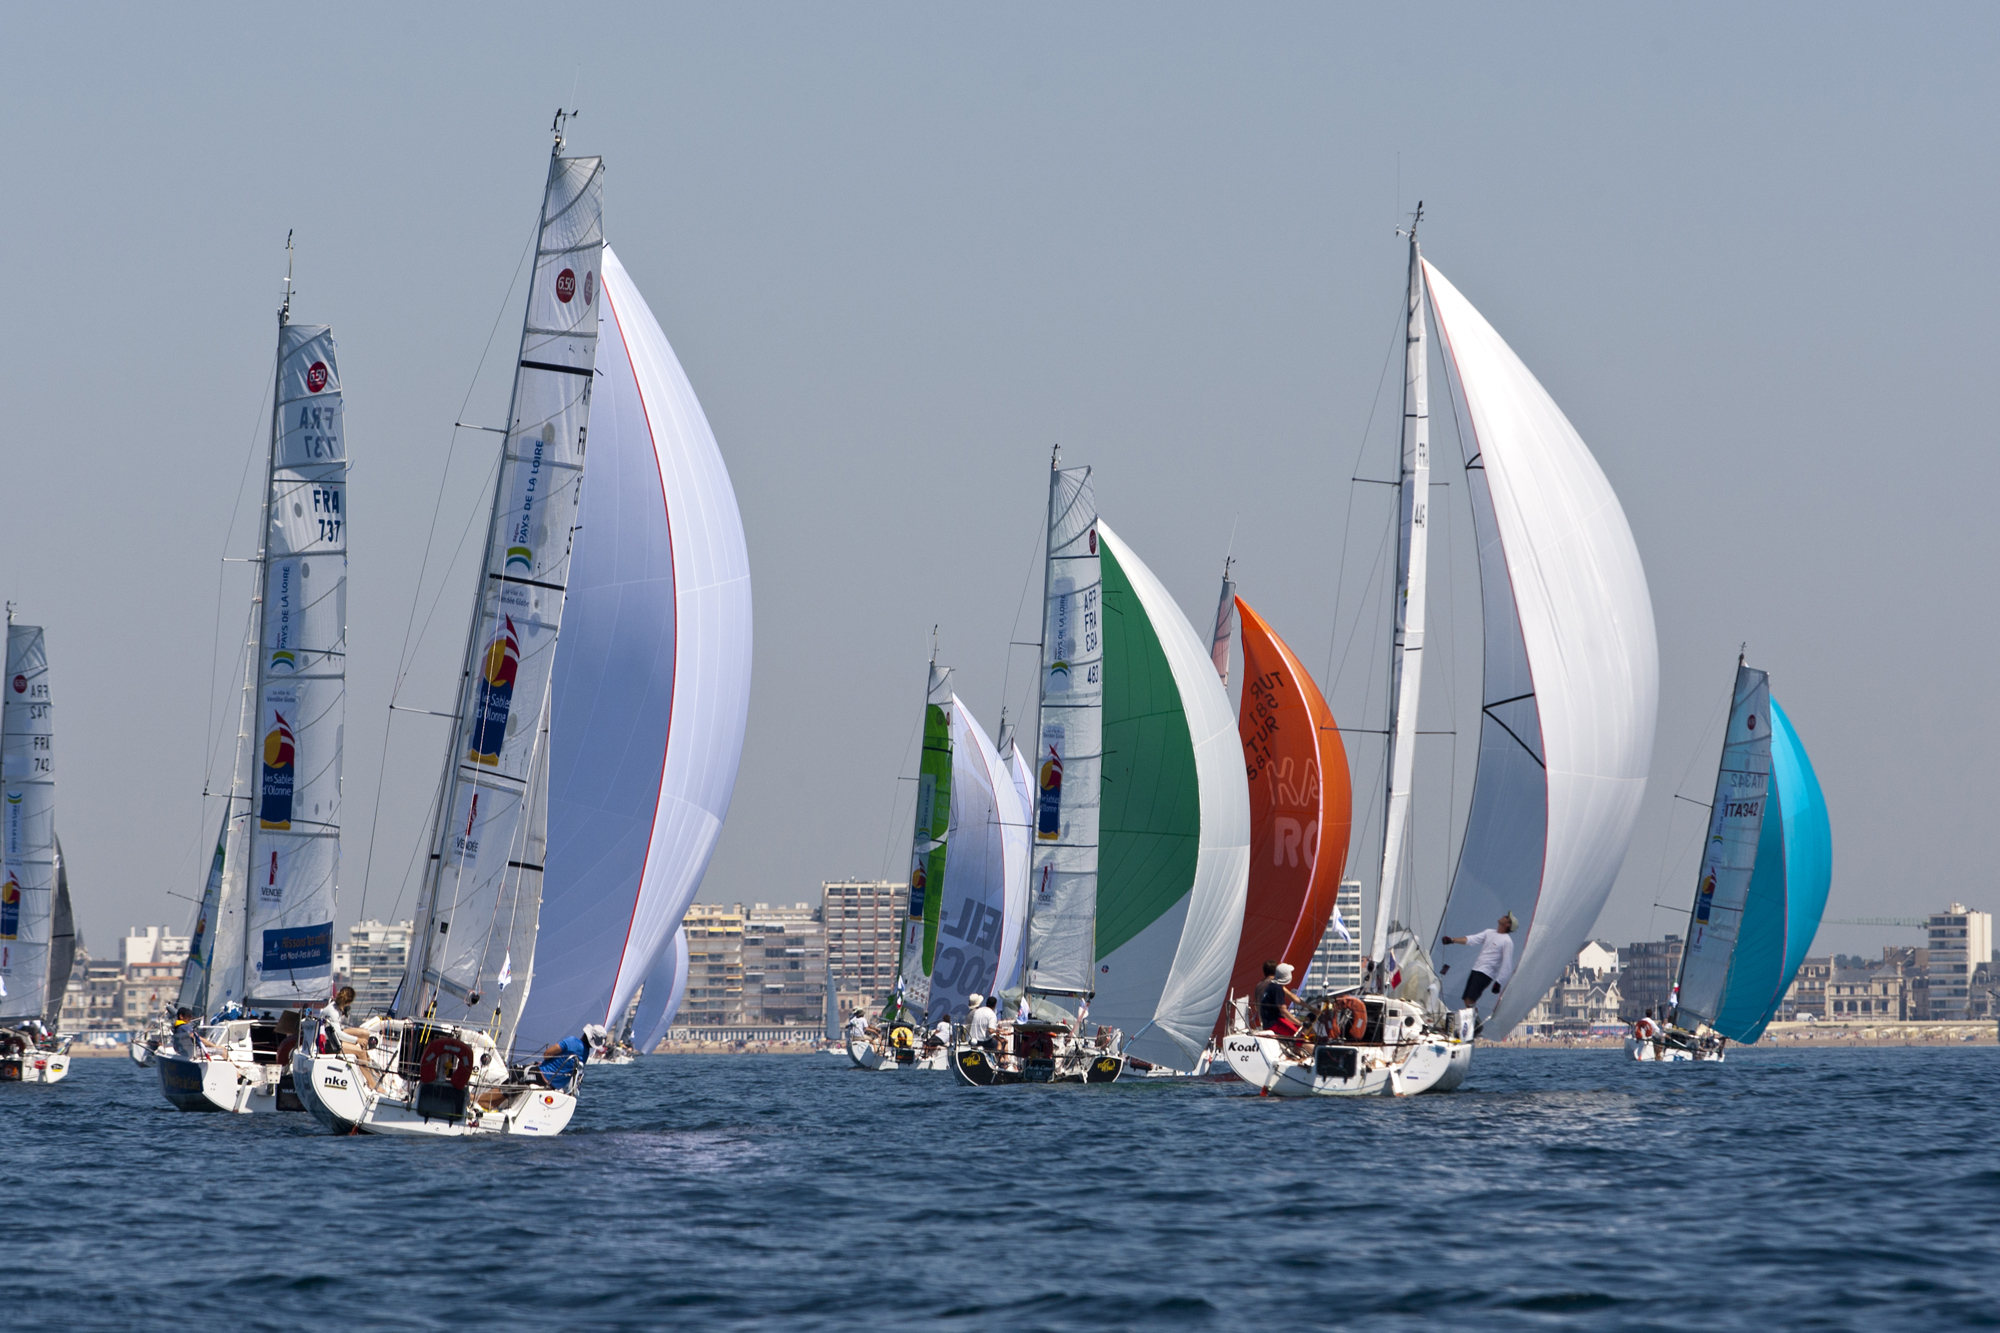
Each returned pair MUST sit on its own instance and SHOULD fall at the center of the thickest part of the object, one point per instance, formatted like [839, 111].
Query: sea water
[1785, 1189]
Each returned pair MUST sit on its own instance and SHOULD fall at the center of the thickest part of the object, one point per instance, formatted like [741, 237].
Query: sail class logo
[589, 287]
[498, 667]
[524, 556]
[274, 809]
[566, 285]
[20, 684]
[316, 377]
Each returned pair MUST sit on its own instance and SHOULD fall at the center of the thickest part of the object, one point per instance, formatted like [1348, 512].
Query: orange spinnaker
[1301, 807]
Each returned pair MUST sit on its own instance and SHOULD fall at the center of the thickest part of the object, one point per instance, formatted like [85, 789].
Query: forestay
[1175, 836]
[27, 825]
[291, 840]
[1571, 680]
[652, 688]
[1730, 856]
[482, 893]
[1062, 873]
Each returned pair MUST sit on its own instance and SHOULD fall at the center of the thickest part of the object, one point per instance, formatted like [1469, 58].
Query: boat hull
[1659, 1052]
[35, 1067]
[218, 1085]
[1435, 1064]
[978, 1067]
[864, 1055]
[349, 1099]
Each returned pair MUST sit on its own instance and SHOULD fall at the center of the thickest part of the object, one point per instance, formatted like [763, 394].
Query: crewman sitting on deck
[1275, 1001]
[562, 1062]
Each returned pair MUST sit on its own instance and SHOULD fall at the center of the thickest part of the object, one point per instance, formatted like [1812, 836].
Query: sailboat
[447, 1064]
[660, 1002]
[262, 946]
[965, 888]
[1765, 870]
[37, 926]
[1141, 822]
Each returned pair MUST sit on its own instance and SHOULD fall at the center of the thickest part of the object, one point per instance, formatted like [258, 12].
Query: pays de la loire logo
[566, 286]
[20, 684]
[316, 377]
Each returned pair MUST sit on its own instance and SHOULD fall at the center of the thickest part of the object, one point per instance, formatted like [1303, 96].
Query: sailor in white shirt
[857, 1026]
[979, 1029]
[1495, 965]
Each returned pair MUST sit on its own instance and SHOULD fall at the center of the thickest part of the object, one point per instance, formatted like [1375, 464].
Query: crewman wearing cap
[979, 1027]
[1495, 965]
[1275, 1001]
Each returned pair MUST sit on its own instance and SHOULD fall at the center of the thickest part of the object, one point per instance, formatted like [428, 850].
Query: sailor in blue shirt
[562, 1061]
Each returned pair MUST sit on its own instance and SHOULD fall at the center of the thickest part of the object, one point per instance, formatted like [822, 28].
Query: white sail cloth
[1571, 686]
[1017, 813]
[1164, 986]
[291, 841]
[1729, 855]
[477, 920]
[27, 824]
[666, 987]
[652, 688]
[972, 908]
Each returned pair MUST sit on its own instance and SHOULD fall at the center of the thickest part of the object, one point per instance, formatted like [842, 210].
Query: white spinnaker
[1016, 814]
[1571, 680]
[292, 858]
[972, 912]
[1069, 759]
[1166, 984]
[652, 688]
[482, 892]
[1729, 856]
[666, 987]
[1412, 578]
[27, 824]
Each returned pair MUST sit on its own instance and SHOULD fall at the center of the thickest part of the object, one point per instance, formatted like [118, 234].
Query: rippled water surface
[1844, 1189]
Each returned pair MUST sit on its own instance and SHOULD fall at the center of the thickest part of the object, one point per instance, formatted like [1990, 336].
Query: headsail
[482, 891]
[1225, 611]
[194, 991]
[666, 987]
[1175, 831]
[62, 942]
[972, 900]
[1571, 681]
[27, 825]
[1017, 812]
[1722, 898]
[292, 822]
[1301, 806]
[652, 688]
[1062, 875]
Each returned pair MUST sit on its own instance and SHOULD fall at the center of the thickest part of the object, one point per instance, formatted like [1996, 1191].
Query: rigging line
[1667, 856]
[896, 801]
[416, 594]
[1340, 573]
[1007, 675]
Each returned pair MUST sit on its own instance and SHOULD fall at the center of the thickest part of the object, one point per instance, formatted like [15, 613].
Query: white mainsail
[1406, 663]
[1061, 952]
[472, 961]
[972, 905]
[1729, 856]
[666, 987]
[291, 808]
[1571, 680]
[27, 825]
[1017, 813]
[652, 688]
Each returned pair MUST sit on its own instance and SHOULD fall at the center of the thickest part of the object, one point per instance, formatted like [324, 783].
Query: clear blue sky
[903, 249]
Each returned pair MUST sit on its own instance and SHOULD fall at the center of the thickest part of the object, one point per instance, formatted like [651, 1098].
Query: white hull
[864, 1055]
[40, 1067]
[1429, 1062]
[1658, 1052]
[142, 1054]
[218, 1084]
[361, 1093]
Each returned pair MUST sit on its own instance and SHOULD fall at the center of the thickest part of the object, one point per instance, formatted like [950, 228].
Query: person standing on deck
[1495, 965]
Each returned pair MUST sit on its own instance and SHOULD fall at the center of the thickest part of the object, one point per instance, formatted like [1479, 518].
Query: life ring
[1645, 1029]
[285, 1049]
[446, 1060]
[1350, 1017]
[902, 1036]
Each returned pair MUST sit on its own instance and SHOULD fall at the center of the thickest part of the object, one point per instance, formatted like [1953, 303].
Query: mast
[1406, 648]
[490, 824]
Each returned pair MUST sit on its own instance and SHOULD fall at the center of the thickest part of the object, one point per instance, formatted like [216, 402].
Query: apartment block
[1960, 941]
[1646, 975]
[372, 961]
[715, 967]
[863, 920]
[784, 965]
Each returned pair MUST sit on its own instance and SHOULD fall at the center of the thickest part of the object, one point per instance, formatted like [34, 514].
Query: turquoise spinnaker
[1787, 893]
